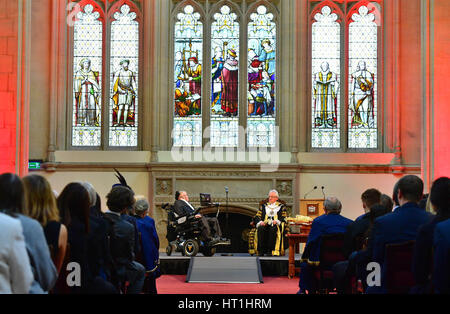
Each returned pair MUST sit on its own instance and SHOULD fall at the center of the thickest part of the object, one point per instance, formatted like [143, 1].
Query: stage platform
[176, 264]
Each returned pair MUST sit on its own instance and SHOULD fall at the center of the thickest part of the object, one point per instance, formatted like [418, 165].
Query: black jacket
[121, 243]
[182, 209]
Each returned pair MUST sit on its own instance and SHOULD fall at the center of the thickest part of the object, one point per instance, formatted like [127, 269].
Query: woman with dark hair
[41, 205]
[422, 262]
[12, 203]
[74, 205]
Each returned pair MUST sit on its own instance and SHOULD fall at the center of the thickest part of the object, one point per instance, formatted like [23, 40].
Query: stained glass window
[362, 67]
[87, 78]
[262, 68]
[124, 67]
[188, 43]
[224, 79]
[326, 65]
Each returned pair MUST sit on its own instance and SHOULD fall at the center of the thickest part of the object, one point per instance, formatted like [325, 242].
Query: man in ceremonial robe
[230, 79]
[325, 90]
[194, 73]
[124, 95]
[270, 223]
[87, 93]
[362, 97]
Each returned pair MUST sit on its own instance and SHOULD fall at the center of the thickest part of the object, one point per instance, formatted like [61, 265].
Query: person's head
[177, 195]
[120, 199]
[193, 61]
[410, 189]
[370, 198]
[183, 196]
[362, 65]
[11, 194]
[332, 205]
[266, 44]
[387, 202]
[395, 195]
[40, 201]
[85, 64]
[91, 191]
[325, 66]
[74, 204]
[141, 207]
[125, 64]
[273, 196]
[440, 197]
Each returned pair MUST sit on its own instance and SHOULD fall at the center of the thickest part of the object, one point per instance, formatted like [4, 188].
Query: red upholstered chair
[398, 264]
[330, 253]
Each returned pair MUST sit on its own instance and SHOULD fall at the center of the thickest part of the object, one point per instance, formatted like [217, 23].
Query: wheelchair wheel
[190, 248]
[169, 250]
[209, 251]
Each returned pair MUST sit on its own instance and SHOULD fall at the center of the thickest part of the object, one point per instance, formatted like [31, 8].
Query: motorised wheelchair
[184, 235]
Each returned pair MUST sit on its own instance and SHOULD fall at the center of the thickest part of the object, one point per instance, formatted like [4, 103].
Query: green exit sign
[34, 164]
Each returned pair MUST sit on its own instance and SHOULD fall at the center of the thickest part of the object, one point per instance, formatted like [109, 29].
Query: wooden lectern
[312, 207]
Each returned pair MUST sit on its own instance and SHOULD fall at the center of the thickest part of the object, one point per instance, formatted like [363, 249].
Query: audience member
[395, 197]
[150, 243]
[15, 270]
[41, 205]
[387, 203]
[74, 204]
[330, 223]
[12, 203]
[441, 258]
[423, 250]
[97, 244]
[399, 226]
[122, 239]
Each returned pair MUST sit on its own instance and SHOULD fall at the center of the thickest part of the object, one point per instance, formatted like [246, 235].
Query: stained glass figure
[363, 49]
[261, 79]
[225, 79]
[124, 82]
[187, 129]
[326, 54]
[87, 90]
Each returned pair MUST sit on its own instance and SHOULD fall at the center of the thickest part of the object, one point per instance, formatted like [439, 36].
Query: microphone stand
[226, 222]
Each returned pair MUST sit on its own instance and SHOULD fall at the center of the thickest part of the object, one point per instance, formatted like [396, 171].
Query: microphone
[323, 192]
[310, 191]
[226, 189]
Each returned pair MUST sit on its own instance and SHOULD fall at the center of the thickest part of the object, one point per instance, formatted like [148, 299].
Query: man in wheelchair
[190, 232]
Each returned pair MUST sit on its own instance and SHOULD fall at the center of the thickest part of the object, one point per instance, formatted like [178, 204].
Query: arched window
[262, 74]
[230, 93]
[326, 68]
[344, 67]
[87, 77]
[124, 84]
[113, 110]
[188, 43]
[225, 78]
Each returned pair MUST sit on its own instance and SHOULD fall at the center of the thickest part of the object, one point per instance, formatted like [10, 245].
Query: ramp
[224, 270]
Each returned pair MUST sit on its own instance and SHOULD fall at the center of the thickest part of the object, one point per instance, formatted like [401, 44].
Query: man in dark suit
[183, 208]
[441, 273]
[399, 226]
[329, 223]
[122, 239]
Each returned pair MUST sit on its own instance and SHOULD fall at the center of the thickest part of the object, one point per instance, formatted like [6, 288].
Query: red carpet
[175, 284]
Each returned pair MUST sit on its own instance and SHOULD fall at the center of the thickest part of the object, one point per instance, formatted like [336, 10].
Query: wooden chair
[330, 253]
[398, 265]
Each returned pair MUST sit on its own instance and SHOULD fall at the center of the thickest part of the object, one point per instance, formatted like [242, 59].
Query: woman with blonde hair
[40, 204]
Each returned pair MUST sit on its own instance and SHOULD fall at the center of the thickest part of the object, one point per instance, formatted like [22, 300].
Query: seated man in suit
[270, 222]
[329, 223]
[441, 272]
[399, 226]
[211, 231]
[122, 239]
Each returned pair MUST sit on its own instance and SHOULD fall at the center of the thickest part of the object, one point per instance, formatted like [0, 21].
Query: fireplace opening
[235, 228]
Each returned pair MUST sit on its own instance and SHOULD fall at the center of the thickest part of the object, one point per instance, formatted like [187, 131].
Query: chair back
[398, 265]
[331, 249]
